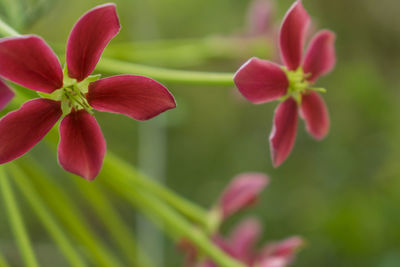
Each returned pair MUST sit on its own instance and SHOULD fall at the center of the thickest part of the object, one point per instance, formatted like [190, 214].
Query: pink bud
[259, 17]
[283, 251]
[242, 192]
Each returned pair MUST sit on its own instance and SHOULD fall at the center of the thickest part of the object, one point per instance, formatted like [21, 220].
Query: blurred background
[341, 194]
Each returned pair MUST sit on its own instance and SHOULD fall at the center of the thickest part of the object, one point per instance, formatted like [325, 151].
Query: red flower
[30, 62]
[242, 192]
[6, 94]
[241, 245]
[261, 81]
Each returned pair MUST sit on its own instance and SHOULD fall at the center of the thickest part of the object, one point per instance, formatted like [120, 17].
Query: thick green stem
[119, 230]
[47, 219]
[172, 220]
[114, 66]
[192, 211]
[16, 221]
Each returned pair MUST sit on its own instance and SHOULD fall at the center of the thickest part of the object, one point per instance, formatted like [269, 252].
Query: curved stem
[167, 75]
[16, 221]
[119, 230]
[47, 219]
[192, 211]
[71, 216]
[177, 225]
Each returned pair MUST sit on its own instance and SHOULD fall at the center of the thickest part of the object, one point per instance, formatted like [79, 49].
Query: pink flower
[30, 62]
[259, 17]
[6, 94]
[261, 81]
[242, 192]
[241, 245]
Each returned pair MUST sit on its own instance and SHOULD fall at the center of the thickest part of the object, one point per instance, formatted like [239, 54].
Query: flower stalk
[109, 65]
[16, 221]
[45, 216]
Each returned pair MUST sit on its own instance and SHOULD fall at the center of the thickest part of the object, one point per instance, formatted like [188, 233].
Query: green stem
[192, 211]
[47, 219]
[71, 217]
[167, 75]
[3, 262]
[173, 221]
[119, 231]
[6, 30]
[16, 221]
[114, 66]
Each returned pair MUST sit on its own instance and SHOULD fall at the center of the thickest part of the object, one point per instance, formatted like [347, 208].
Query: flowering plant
[72, 95]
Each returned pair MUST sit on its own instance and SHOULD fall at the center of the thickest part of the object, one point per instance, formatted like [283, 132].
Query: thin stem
[6, 30]
[167, 75]
[16, 221]
[71, 217]
[162, 74]
[119, 230]
[3, 262]
[192, 211]
[45, 216]
[158, 211]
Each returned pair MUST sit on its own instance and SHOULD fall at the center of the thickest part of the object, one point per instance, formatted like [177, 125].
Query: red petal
[260, 17]
[88, 39]
[242, 192]
[282, 252]
[292, 35]
[315, 113]
[135, 96]
[283, 133]
[82, 146]
[20, 130]
[244, 238]
[320, 58]
[261, 81]
[30, 62]
[6, 94]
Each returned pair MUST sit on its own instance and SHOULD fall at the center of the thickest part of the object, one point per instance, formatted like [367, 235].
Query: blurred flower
[260, 17]
[262, 81]
[30, 62]
[6, 94]
[241, 245]
[242, 192]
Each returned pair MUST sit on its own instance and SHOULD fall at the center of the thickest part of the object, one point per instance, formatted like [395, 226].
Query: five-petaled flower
[261, 81]
[243, 191]
[30, 62]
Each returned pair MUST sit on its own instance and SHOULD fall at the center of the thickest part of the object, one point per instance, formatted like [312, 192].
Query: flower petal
[292, 35]
[30, 62]
[135, 96]
[261, 81]
[82, 146]
[6, 94]
[88, 39]
[260, 17]
[282, 251]
[283, 133]
[315, 113]
[242, 192]
[320, 57]
[20, 130]
[244, 238]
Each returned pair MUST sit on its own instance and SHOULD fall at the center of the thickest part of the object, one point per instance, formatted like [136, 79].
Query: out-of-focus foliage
[341, 194]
